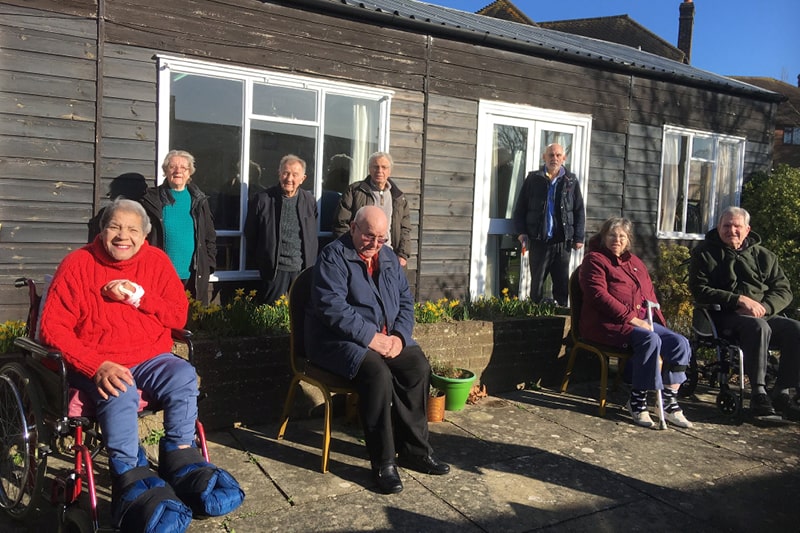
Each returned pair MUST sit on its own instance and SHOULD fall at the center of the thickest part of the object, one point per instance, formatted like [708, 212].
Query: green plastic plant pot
[456, 390]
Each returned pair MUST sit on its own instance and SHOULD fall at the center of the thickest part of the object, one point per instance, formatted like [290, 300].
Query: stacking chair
[603, 353]
[303, 370]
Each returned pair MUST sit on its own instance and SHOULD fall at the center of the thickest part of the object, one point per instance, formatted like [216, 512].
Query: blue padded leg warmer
[143, 502]
[205, 488]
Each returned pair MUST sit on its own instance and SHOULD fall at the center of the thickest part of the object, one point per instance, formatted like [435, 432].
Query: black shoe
[760, 405]
[388, 479]
[789, 407]
[427, 464]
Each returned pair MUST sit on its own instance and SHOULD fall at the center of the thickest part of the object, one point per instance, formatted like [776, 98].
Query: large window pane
[697, 182]
[284, 102]
[508, 163]
[351, 134]
[698, 202]
[270, 141]
[206, 120]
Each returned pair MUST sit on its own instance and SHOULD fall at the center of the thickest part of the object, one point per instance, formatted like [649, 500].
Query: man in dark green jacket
[732, 270]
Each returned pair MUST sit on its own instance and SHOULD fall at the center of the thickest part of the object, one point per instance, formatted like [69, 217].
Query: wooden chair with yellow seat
[604, 353]
[303, 370]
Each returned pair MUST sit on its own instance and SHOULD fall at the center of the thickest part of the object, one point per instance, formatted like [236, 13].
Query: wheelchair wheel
[75, 520]
[728, 402]
[22, 465]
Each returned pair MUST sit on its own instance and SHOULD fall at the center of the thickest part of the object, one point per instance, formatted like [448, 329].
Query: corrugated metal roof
[541, 41]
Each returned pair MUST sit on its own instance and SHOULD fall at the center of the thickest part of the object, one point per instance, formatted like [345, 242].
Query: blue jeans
[647, 346]
[166, 381]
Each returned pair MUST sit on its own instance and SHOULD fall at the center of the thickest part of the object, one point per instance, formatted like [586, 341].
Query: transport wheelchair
[40, 416]
[727, 363]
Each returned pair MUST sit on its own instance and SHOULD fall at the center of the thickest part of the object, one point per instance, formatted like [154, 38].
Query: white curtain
[670, 183]
[726, 176]
[358, 165]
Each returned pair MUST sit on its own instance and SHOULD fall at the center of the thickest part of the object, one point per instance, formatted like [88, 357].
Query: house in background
[92, 89]
[786, 147]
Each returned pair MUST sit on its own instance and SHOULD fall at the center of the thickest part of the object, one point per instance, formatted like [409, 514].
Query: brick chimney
[685, 29]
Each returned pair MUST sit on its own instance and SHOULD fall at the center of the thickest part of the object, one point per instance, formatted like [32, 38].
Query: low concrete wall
[503, 354]
[245, 380]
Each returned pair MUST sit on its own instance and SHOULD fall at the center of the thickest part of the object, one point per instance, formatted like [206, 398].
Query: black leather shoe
[388, 479]
[761, 406]
[427, 464]
[786, 405]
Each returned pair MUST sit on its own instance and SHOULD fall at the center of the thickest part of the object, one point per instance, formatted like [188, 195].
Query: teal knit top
[179, 232]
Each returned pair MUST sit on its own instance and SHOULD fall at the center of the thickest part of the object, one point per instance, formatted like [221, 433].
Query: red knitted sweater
[90, 329]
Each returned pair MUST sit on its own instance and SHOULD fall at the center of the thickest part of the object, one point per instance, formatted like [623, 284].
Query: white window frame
[168, 64]
[716, 138]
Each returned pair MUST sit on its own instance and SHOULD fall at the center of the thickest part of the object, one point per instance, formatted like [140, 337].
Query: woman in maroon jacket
[616, 288]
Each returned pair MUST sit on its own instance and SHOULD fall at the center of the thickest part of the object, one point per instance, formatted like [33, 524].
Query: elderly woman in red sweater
[616, 288]
[110, 310]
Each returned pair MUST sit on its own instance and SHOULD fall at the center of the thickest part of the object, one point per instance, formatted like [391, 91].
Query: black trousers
[755, 336]
[392, 402]
[549, 258]
[272, 290]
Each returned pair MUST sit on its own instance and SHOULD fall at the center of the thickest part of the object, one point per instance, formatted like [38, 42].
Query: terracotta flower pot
[436, 408]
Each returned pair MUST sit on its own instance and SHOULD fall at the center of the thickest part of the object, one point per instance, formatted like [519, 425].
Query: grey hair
[734, 211]
[178, 153]
[377, 155]
[129, 206]
[616, 222]
[291, 158]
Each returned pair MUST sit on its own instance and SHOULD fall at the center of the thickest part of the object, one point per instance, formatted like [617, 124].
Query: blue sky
[731, 37]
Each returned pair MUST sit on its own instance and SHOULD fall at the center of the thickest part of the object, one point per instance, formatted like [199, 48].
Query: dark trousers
[392, 402]
[755, 336]
[549, 258]
[272, 290]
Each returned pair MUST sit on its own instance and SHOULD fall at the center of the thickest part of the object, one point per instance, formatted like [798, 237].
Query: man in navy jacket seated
[359, 325]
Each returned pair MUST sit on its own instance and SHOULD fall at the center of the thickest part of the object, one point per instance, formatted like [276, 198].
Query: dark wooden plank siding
[268, 35]
[47, 136]
[49, 118]
[448, 195]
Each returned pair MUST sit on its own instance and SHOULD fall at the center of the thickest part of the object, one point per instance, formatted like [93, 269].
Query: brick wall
[245, 380]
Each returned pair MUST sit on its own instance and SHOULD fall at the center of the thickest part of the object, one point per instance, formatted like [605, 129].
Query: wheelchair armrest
[184, 336]
[52, 363]
[708, 307]
[39, 351]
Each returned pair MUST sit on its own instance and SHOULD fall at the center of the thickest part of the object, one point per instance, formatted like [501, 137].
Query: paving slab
[521, 461]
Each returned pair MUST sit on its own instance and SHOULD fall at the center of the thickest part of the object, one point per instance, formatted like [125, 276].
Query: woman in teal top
[182, 223]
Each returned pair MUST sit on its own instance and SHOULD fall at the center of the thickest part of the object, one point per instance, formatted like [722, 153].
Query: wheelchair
[728, 361]
[40, 415]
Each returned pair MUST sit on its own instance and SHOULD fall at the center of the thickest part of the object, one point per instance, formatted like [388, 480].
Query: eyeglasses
[173, 168]
[371, 237]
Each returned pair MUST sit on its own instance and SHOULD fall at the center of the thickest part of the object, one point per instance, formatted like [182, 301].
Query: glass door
[511, 141]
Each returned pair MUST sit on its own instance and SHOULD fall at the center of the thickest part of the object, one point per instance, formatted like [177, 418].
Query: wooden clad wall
[48, 72]
[448, 195]
[47, 143]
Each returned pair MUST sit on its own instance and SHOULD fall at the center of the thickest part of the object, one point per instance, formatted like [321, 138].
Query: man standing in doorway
[550, 219]
[281, 230]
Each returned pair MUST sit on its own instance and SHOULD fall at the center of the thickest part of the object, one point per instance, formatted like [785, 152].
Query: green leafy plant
[10, 330]
[670, 280]
[153, 437]
[242, 316]
[482, 308]
[446, 369]
[774, 207]
[434, 392]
